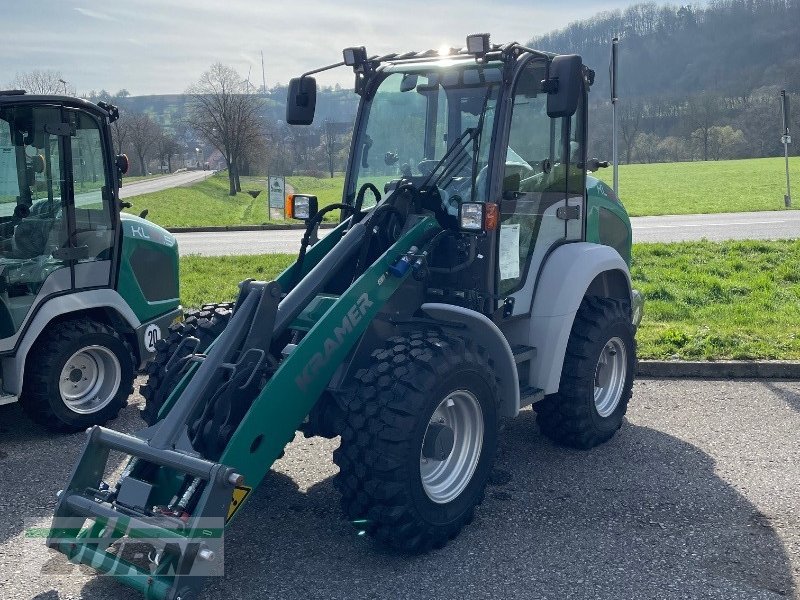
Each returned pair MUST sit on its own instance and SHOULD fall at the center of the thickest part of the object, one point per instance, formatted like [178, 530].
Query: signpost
[786, 139]
[276, 194]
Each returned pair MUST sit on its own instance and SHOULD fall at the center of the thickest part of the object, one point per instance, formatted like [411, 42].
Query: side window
[93, 220]
[533, 182]
[33, 224]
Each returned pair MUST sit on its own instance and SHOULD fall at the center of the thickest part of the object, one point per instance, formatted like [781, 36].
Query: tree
[703, 112]
[329, 143]
[42, 82]
[120, 132]
[630, 120]
[226, 116]
[144, 134]
[167, 146]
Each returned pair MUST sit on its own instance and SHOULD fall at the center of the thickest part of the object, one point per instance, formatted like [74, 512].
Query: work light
[354, 57]
[470, 216]
[301, 207]
[478, 44]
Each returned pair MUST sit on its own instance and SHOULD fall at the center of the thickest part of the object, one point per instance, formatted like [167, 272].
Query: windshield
[418, 116]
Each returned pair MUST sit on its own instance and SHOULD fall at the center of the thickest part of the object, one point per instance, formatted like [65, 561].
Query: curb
[264, 227]
[720, 369]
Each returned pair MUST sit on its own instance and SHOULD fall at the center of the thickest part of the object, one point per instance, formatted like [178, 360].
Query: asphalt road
[755, 225]
[162, 183]
[698, 496]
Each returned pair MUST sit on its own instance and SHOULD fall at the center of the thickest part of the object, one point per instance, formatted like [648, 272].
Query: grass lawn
[704, 187]
[653, 189]
[703, 299]
[204, 203]
[137, 178]
[207, 203]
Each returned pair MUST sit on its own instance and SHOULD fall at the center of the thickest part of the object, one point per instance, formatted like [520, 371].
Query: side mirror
[123, 164]
[564, 87]
[301, 207]
[301, 101]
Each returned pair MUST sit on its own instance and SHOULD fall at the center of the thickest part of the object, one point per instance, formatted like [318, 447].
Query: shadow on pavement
[644, 516]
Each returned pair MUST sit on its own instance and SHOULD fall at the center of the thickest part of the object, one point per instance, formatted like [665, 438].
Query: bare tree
[630, 121]
[226, 116]
[703, 112]
[144, 134]
[329, 143]
[167, 147]
[42, 82]
[120, 132]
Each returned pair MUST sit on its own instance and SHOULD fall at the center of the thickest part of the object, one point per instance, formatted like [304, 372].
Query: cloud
[94, 14]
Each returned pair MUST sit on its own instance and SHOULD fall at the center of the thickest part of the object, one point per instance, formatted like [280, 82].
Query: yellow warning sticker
[240, 494]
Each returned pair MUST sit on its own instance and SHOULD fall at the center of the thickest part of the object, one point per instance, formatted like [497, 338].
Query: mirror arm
[321, 69]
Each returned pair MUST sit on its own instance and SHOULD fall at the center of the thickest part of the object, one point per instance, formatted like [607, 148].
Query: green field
[651, 189]
[704, 187]
[207, 202]
[704, 300]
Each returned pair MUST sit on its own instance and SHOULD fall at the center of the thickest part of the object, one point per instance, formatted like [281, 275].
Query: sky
[162, 46]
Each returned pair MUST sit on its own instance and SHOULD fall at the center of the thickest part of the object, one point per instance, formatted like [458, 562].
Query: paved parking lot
[698, 496]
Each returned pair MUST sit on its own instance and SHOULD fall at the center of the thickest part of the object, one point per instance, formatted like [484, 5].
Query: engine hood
[136, 228]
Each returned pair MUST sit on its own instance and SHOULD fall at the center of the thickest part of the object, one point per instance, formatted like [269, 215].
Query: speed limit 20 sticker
[151, 335]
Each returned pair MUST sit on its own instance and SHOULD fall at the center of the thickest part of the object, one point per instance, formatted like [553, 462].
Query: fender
[488, 335]
[566, 277]
[14, 366]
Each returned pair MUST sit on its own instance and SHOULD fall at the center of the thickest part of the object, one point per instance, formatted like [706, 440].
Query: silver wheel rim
[90, 379]
[444, 480]
[609, 376]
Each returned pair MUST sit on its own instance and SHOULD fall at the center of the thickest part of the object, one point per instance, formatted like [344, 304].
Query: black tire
[571, 417]
[386, 418]
[205, 323]
[41, 397]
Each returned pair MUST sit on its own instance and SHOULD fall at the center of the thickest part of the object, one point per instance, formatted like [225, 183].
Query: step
[523, 353]
[529, 395]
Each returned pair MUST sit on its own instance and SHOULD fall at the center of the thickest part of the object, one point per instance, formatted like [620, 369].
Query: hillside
[696, 83]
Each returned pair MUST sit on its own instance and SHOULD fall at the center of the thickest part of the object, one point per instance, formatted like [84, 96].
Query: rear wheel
[82, 375]
[205, 324]
[419, 440]
[596, 379]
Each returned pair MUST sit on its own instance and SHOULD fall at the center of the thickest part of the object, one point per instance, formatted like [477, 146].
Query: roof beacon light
[478, 44]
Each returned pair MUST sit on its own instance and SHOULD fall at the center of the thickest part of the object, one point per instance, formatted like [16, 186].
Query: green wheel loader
[476, 270]
[85, 291]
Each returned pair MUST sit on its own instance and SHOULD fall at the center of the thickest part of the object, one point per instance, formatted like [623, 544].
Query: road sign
[277, 191]
[786, 139]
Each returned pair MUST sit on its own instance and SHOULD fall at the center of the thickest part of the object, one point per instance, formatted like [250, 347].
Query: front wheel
[419, 440]
[596, 379]
[79, 373]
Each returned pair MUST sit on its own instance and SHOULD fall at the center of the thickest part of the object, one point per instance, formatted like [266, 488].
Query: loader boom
[161, 454]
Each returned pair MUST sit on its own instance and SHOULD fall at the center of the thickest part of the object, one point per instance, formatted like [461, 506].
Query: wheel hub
[90, 379]
[609, 376]
[439, 441]
[452, 446]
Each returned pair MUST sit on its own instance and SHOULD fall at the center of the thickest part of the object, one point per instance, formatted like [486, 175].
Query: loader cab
[58, 213]
[480, 131]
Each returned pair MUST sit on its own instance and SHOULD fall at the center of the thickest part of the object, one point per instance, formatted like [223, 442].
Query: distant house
[216, 161]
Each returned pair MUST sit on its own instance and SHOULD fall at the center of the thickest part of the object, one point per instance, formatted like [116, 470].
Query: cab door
[93, 230]
[35, 247]
[543, 188]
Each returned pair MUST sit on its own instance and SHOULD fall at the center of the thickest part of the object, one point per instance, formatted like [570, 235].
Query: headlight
[301, 206]
[470, 217]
